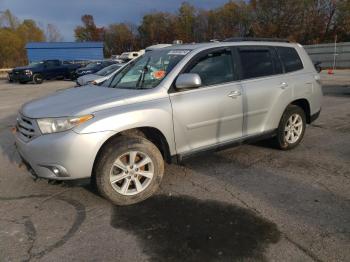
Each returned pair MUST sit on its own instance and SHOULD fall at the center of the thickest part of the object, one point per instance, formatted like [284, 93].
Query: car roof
[196, 46]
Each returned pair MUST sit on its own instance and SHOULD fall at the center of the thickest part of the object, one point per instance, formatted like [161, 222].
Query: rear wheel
[37, 79]
[69, 75]
[291, 128]
[60, 77]
[129, 170]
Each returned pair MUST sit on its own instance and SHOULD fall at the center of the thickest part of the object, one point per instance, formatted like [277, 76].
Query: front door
[53, 69]
[212, 114]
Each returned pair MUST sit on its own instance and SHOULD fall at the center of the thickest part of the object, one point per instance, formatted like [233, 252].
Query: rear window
[290, 59]
[256, 62]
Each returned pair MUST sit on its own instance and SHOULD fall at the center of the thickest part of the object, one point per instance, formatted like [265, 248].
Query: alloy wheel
[293, 129]
[131, 173]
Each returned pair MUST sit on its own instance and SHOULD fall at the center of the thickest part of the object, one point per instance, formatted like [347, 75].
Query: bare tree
[7, 19]
[53, 34]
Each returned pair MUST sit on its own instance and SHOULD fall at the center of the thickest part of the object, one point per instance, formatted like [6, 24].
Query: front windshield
[35, 64]
[147, 71]
[92, 65]
[107, 70]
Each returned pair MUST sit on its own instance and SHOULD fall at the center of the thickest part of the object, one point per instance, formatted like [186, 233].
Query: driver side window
[214, 68]
[51, 64]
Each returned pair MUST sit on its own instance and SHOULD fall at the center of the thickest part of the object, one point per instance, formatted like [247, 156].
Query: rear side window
[290, 59]
[256, 62]
[214, 68]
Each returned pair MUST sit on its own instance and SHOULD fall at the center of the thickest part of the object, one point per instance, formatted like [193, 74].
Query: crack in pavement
[306, 251]
[30, 230]
[303, 249]
[31, 234]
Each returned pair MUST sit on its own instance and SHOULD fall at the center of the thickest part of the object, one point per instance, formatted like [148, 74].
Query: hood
[22, 68]
[83, 80]
[82, 69]
[85, 68]
[78, 101]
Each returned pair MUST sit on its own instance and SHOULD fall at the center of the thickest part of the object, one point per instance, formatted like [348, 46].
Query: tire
[37, 79]
[71, 76]
[60, 77]
[289, 134]
[114, 163]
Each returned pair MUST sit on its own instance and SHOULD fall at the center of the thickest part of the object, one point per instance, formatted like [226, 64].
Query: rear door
[53, 68]
[212, 114]
[266, 89]
[302, 82]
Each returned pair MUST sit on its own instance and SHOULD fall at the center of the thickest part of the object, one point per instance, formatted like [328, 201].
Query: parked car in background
[158, 46]
[99, 76]
[128, 56]
[92, 68]
[37, 72]
[167, 105]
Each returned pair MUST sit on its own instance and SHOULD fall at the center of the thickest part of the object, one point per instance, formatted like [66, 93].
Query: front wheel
[37, 79]
[129, 170]
[291, 128]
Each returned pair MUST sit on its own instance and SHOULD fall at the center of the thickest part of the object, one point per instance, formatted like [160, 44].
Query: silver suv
[167, 105]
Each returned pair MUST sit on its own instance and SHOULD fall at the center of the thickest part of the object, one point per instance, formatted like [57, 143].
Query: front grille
[19, 73]
[26, 128]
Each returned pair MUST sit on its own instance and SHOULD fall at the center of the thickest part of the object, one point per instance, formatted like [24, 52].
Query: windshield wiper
[143, 74]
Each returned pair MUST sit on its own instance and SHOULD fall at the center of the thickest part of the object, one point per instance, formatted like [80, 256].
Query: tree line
[303, 21]
[15, 34]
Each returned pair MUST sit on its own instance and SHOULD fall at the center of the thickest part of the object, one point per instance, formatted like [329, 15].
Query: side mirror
[187, 81]
[318, 67]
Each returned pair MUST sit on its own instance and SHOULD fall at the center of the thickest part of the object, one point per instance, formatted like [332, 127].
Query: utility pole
[335, 52]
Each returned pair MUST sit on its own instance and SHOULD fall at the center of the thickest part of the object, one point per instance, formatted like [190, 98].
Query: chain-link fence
[333, 55]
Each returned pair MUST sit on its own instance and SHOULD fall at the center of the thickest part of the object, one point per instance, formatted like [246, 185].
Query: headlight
[60, 124]
[28, 72]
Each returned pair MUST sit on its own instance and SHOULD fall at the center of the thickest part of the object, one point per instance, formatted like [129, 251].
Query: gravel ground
[249, 203]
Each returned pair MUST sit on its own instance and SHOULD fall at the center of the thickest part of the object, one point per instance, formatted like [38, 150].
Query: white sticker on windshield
[179, 52]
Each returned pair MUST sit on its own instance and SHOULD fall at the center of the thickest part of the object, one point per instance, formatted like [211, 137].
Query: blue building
[68, 51]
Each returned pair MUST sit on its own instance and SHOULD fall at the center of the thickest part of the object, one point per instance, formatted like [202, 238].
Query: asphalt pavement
[248, 203]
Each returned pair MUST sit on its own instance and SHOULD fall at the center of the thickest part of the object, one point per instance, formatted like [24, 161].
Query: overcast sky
[65, 14]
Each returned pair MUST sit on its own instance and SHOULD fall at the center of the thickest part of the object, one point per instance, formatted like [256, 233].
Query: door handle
[234, 94]
[283, 85]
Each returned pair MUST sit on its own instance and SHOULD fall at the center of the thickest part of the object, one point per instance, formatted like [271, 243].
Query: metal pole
[335, 51]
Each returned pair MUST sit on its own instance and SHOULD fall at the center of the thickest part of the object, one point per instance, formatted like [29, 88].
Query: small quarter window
[290, 59]
[256, 62]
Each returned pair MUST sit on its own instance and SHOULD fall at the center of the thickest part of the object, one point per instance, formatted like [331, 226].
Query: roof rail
[242, 39]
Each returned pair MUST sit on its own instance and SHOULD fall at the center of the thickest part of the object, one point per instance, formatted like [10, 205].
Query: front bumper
[72, 153]
[79, 74]
[20, 77]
